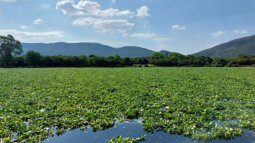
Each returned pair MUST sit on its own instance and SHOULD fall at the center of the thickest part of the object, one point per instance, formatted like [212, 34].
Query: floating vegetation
[201, 103]
[120, 139]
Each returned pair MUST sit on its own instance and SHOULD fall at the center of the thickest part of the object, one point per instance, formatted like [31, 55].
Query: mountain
[77, 49]
[234, 48]
[165, 53]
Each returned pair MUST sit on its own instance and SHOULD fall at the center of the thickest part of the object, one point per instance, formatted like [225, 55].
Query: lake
[134, 129]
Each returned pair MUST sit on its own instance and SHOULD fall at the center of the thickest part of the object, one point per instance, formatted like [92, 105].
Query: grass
[202, 103]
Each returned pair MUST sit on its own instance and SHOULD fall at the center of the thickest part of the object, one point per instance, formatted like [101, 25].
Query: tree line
[35, 59]
[11, 50]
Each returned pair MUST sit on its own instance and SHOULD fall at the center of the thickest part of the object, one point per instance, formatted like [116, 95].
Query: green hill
[77, 49]
[234, 48]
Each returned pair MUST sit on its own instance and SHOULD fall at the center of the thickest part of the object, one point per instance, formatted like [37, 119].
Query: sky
[184, 26]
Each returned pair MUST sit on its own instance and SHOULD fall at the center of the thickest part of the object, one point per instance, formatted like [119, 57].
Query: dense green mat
[120, 139]
[203, 103]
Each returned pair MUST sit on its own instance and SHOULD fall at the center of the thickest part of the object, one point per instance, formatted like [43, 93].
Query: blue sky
[185, 26]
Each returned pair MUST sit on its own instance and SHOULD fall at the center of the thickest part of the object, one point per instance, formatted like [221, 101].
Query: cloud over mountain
[91, 13]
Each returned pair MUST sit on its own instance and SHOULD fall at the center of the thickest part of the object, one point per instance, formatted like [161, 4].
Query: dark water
[134, 129]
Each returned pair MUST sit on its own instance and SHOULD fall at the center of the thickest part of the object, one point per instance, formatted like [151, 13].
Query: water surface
[134, 129]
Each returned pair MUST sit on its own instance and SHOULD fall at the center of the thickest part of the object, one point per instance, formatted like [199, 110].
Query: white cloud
[90, 8]
[151, 36]
[119, 25]
[22, 35]
[7, 0]
[143, 35]
[240, 32]
[114, 13]
[218, 34]
[39, 21]
[85, 21]
[179, 27]
[91, 13]
[114, 1]
[67, 8]
[23, 26]
[106, 25]
[143, 11]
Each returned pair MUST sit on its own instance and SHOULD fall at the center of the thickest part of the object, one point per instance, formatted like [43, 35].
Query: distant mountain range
[77, 49]
[234, 48]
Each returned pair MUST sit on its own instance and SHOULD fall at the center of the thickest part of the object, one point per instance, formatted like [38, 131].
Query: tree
[219, 62]
[20, 62]
[92, 60]
[145, 61]
[157, 56]
[33, 58]
[176, 59]
[127, 61]
[9, 48]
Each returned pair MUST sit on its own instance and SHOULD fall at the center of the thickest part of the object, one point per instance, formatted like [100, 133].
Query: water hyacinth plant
[201, 103]
[120, 139]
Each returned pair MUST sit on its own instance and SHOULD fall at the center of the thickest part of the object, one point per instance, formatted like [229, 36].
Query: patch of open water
[134, 129]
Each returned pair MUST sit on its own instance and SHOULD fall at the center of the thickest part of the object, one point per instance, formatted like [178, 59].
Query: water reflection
[134, 129]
